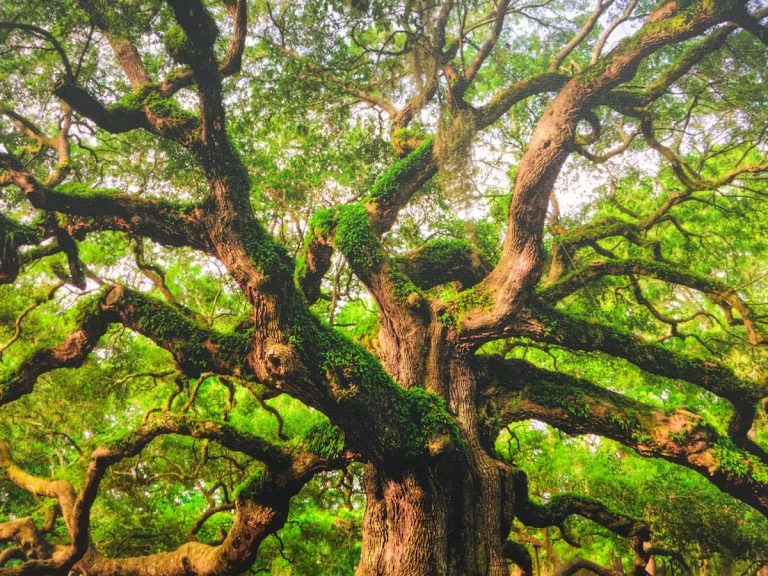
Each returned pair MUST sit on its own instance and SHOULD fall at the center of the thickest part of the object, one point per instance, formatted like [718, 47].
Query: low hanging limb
[196, 348]
[560, 507]
[261, 505]
[556, 511]
[515, 390]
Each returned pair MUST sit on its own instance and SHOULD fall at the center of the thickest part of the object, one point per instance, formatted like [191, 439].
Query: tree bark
[450, 514]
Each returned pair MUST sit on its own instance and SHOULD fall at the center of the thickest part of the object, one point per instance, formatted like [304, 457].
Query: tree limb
[515, 390]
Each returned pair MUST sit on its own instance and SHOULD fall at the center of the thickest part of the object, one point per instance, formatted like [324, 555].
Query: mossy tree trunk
[449, 512]
[424, 410]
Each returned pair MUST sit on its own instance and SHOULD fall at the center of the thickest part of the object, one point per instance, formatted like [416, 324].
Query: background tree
[251, 248]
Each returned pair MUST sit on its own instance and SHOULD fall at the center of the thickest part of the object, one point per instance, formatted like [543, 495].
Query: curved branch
[584, 564]
[172, 224]
[111, 119]
[71, 353]
[560, 507]
[261, 504]
[551, 144]
[388, 195]
[719, 292]
[516, 390]
[195, 347]
[517, 92]
[45, 35]
[549, 325]
[440, 261]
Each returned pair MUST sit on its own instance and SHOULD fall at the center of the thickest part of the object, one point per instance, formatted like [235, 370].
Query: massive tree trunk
[449, 512]
[430, 521]
[422, 409]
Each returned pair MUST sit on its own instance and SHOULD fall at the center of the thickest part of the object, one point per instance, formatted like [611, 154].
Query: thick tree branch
[549, 325]
[164, 222]
[112, 119]
[71, 353]
[377, 213]
[517, 92]
[551, 144]
[516, 390]
[261, 505]
[195, 347]
[441, 261]
[560, 507]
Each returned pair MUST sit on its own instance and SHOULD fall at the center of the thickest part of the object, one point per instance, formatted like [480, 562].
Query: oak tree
[247, 245]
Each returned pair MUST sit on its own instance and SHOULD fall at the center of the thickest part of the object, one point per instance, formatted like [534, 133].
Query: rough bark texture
[425, 411]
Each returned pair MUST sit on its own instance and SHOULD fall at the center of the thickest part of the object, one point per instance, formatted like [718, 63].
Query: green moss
[325, 440]
[401, 171]
[148, 96]
[432, 420]
[400, 422]
[189, 342]
[321, 223]
[641, 437]
[176, 43]
[356, 240]
[626, 423]
[269, 257]
[731, 460]
[461, 303]
[441, 250]
[82, 190]
[87, 307]
[402, 286]
[253, 487]
[552, 394]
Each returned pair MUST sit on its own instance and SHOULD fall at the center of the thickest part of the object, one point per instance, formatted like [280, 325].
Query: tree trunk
[429, 522]
[441, 516]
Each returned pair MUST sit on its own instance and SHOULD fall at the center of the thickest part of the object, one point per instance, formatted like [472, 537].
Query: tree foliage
[383, 287]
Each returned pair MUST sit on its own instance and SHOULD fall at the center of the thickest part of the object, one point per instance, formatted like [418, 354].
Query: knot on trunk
[282, 361]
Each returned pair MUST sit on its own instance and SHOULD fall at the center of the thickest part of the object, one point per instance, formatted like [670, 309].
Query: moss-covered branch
[380, 420]
[261, 504]
[13, 235]
[115, 120]
[196, 348]
[440, 261]
[169, 223]
[553, 326]
[70, 353]
[354, 229]
[516, 390]
[554, 140]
